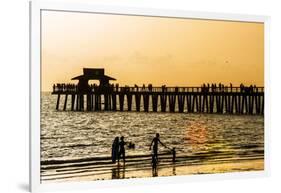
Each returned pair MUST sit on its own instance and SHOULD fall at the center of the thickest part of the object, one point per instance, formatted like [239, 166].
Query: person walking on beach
[122, 144]
[115, 149]
[155, 142]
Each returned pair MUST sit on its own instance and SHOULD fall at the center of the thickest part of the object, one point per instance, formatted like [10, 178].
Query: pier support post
[262, 105]
[211, 109]
[77, 102]
[129, 101]
[106, 102]
[121, 101]
[92, 102]
[195, 102]
[181, 99]
[72, 101]
[58, 102]
[96, 102]
[199, 109]
[163, 100]
[172, 102]
[146, 102]
[114, 108]
[81, 102]
[89, 102]
[154, 102]
[65, 102]
[218, 101]
[137, 100]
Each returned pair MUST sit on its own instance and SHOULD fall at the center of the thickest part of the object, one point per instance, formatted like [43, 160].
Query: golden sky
[142, 50]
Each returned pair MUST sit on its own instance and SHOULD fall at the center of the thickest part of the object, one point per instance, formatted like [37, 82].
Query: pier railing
[92, 89]
[222, 99]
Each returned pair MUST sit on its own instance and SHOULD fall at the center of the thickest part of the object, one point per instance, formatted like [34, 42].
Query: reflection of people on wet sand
[115, 149]
[122, 144]
[118, 173]
[155, 142]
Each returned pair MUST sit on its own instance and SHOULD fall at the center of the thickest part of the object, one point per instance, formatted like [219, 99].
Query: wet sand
[121, 171]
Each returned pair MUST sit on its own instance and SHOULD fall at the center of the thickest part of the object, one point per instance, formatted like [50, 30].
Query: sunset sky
[142, 50]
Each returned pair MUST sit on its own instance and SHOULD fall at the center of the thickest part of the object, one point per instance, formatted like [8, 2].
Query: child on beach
[122, 144]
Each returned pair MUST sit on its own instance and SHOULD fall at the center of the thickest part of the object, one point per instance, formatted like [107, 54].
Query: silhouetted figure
[251, 89]
[150, 87]
[155, 142]
[241, 87]
[143, 87]
[115, 149]
[164, 88]
[122, 144]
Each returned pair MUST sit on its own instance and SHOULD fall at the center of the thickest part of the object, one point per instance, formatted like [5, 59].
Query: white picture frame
[35, 81]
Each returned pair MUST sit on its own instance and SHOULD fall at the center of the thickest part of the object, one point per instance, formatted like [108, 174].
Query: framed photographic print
[137, 96]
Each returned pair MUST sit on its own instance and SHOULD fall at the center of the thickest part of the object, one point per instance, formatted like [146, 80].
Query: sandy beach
[135, 169]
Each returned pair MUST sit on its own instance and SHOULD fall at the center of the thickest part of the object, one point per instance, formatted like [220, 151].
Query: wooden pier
[227, 100]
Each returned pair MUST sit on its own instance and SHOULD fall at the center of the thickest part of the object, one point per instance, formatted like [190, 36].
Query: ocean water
[67, 135]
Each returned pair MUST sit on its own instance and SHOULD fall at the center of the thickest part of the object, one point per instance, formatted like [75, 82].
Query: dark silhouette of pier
[204, 99]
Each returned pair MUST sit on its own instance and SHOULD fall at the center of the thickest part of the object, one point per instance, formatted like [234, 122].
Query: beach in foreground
[144, 170]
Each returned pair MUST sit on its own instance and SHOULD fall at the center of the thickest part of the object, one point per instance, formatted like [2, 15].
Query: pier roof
[93, 74]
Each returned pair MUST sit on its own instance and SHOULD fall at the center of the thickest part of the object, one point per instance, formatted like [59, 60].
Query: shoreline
[121, 171]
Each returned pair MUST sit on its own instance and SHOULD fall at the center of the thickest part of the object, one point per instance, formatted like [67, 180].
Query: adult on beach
[122, 144]
[115, 149]
[155, 142]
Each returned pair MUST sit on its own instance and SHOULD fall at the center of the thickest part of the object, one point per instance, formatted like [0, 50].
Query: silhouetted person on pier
[150, 87]
[251, 89]
[122, 144]
[163, 88]
[115, 149]
[155, 142]
[137, 87]
[241, 87]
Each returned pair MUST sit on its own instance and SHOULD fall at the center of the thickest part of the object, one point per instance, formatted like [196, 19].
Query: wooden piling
[72, 101]
[58, 102]
[77, 102]
[129, 101]
[121, 101]
[65, 102]
[114, 105]
[146, 102]
[137, 100]
[179, 100]
[172, 102]
[154, 102]
[163, 100]
[89, 102]
[188, 102]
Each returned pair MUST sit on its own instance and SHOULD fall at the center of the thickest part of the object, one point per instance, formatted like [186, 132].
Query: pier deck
[230, 100]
